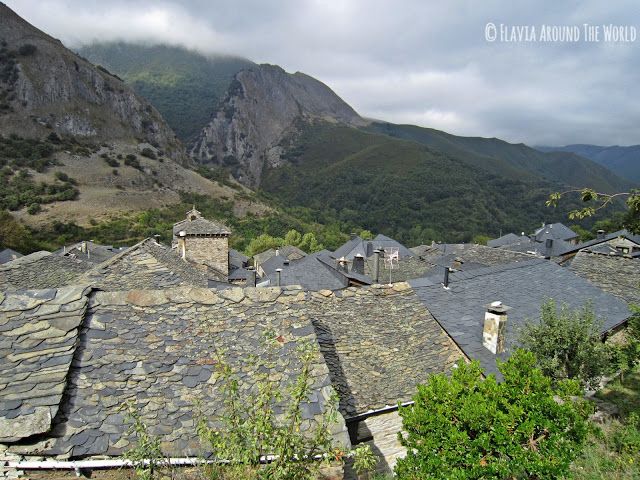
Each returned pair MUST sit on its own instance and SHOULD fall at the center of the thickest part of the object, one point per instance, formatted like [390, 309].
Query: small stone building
[203, 242]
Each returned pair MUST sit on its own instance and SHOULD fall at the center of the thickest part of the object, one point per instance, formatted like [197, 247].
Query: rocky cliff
[264, 106]
[46, 88]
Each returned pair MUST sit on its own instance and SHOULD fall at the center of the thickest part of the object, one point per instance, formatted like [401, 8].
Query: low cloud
[426, 63]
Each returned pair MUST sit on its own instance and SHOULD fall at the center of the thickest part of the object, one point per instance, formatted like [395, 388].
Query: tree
[469, 427]
[293, 237]
[263, 242]
[631, 220]
[366, 235]
[309, 243]
[567, 344]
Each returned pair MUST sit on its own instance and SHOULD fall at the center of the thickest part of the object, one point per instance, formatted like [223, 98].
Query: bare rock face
[264, 105]
[44, 88]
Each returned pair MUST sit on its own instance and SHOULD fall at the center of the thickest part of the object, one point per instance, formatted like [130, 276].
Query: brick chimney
[495, 327]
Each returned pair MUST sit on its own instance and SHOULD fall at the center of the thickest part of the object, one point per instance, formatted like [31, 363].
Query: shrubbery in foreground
[469, 427]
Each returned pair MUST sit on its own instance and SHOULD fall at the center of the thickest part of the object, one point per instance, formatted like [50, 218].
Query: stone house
[203, 242]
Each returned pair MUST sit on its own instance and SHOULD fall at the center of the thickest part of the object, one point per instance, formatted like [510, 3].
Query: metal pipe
[446, 277]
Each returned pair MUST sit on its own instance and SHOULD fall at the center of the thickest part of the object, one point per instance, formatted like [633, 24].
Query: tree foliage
[469, 427]
[596, 201]
[567, 344]
[268, 422]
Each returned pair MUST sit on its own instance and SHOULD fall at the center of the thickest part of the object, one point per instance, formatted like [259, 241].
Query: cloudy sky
[422, 62]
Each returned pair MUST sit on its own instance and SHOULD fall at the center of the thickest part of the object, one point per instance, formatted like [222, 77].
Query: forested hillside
[183, 85]
[404, 188]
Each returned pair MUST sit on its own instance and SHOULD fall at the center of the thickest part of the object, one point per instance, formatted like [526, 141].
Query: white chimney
[495, 327]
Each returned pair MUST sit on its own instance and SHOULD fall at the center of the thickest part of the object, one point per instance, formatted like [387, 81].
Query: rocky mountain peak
[264, 105]
[45, 88]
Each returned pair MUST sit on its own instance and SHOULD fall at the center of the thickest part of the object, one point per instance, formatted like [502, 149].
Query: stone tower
[203, 242]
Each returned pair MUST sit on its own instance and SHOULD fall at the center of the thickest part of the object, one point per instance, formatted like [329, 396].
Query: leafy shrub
[146, 455]
[250, 428]
[34, 208]
[149, 153]
[468, 427]
[132, 161]
[567, 344]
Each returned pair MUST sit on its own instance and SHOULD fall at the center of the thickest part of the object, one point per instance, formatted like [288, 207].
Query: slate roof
[555, 231]
[38, 339]
[95, 253]
[358, 246]
[527, 245]
[8, 255]
[145, 265]
[618, 275]
[382, 242]
[158, 347]
[524, 286]
[379, 343]
[260, 258]
[472, 253]
[41, 270]
[237, 259]
[311, 273]
[507, 239]
[406, 269]
[607, 238]
[352, 247]
[201, 226]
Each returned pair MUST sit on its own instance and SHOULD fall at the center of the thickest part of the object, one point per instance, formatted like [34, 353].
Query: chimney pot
[495, 326]
[445, 281]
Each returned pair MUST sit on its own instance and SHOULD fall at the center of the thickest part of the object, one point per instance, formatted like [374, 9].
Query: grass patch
[624, 393]
[613, 451]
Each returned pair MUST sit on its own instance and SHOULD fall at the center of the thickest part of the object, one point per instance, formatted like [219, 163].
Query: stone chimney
[548, 243]
[376, 266]
[342, 265]
[278, 277]
[251, 277]
[600, 235]
[495, 327]
[358, 264]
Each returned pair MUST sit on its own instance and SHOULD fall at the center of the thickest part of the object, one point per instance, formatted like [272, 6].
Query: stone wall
[380, 432]
[210, 251]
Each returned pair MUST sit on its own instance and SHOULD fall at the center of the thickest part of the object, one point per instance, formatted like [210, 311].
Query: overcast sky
[422, 62]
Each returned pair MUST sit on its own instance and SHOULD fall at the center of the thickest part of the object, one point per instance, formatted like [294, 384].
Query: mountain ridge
[621, 160]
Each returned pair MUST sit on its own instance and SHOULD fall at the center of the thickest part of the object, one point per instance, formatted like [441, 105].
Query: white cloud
[411, 61]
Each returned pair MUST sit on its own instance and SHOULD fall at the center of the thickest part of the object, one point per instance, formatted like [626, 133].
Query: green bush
[148, 152]
[469, 427]
[567, 344]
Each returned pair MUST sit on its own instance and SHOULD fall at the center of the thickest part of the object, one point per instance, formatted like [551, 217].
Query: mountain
[78, 144]
[623, 161]
[516, 161]
[185, 86]
[46, 88]
[403, 188]
[263, 105]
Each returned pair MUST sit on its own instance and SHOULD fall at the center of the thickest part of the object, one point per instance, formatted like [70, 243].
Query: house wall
[380, 432]
[211, 251]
